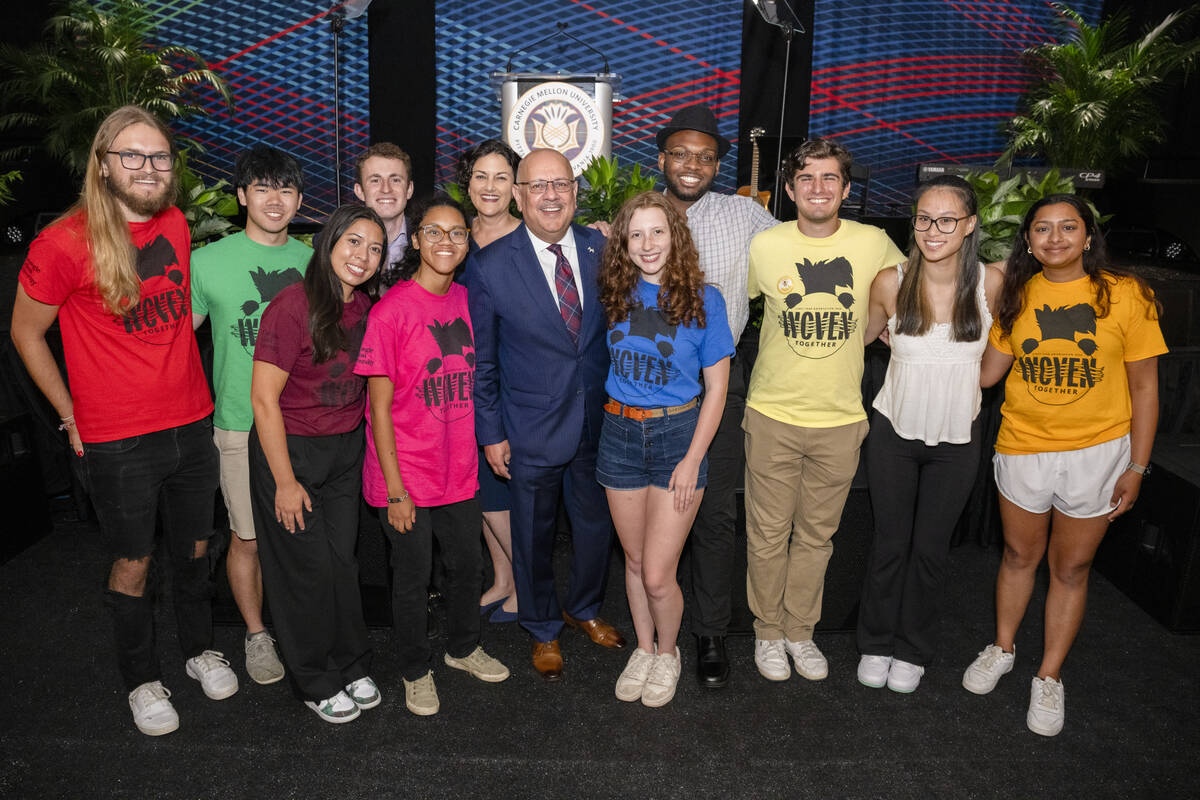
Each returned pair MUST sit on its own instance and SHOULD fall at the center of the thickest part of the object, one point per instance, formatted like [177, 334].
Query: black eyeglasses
[163, 162]
[434, 234]
[921, 222]
[561, 185]
[681, 157]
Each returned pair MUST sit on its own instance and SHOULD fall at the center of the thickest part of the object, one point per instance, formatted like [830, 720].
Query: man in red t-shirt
[114, 271]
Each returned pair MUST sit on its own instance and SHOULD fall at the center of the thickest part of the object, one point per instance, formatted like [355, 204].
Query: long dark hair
[408, 265]
[323, 288]
[1022, 265]
[681, 291]
[913, 315]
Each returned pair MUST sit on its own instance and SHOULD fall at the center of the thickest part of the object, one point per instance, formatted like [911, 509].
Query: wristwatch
[1138, 468]
[403, 496]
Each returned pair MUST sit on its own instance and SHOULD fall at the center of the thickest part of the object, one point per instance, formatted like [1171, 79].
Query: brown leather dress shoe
[547, 660]
[598, 631]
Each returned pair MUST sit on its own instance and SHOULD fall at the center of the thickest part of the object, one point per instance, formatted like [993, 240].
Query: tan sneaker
[421, 696]
[479, 664]
[262, 662]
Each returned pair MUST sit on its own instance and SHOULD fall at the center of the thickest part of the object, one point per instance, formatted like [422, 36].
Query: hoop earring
[1029, 250]
[1087, 247]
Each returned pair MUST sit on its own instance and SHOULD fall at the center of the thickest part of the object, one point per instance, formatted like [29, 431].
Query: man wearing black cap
[690, 150]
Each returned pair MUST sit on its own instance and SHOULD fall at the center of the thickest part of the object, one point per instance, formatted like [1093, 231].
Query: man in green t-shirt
[804, 418]
[233, 280]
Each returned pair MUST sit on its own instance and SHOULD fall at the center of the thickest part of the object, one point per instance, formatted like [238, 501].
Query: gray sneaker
[262, 662]
[479, 664]
[421, 697]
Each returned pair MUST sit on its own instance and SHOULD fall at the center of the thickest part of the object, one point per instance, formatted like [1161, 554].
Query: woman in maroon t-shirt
[306, 454]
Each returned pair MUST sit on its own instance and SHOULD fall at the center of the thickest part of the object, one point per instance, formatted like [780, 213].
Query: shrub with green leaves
[1004, 203]
[607, 185]
[208, 209]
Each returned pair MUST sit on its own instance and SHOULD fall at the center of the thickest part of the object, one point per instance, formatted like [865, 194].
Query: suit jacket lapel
[530, 270]
[589, 273]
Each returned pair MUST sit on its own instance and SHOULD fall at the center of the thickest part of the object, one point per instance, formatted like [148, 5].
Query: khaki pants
[797, 480]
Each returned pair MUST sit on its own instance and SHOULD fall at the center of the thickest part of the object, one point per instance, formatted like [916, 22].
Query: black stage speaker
[22, 493]
[1152, 553]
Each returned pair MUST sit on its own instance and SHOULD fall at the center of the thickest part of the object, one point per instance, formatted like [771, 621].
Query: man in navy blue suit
[541, 362]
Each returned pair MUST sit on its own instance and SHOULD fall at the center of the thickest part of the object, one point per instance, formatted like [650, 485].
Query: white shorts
[1079, 483]
[235, 479]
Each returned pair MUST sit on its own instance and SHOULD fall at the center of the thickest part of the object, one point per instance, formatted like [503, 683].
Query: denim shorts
[634, 455]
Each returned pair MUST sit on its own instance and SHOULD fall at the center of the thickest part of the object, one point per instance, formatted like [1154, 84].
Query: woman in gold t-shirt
[1078, 340]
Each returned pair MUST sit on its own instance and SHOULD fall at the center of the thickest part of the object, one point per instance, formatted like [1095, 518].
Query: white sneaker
[810, 663]
[904, 677]
[873, 671]
[364, 693]
[771, 659]
[633, 677]
[337, 709]
[153, 713]
[985, 671]
[212, 670]
[1047, 707]
[421, 697]
[662, 680]
[480, 664]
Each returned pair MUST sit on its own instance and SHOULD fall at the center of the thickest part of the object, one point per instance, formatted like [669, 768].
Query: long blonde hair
[114, 260]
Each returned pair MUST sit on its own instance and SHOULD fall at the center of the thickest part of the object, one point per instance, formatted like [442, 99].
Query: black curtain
[763, 54]
[404, 82]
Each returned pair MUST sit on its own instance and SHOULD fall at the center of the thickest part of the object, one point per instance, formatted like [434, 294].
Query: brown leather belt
[642, 414]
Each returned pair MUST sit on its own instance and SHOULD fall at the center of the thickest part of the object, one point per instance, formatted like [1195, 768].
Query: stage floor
[1132, 700]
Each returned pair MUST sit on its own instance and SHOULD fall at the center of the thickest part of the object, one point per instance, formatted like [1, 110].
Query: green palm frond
[1097, 100]
[93, 62]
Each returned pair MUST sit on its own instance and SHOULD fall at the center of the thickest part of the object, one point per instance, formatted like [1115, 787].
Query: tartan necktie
[568, 294]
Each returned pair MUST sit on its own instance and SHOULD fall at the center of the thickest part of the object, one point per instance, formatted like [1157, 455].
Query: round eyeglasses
[434, 234]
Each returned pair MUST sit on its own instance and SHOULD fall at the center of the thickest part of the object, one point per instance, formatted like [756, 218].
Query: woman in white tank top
[923, 448]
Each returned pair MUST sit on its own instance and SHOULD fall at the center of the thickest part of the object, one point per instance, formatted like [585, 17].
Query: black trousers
[456, 527]
[310, 577]
[712, 539]
[168, 475]
[917, 494]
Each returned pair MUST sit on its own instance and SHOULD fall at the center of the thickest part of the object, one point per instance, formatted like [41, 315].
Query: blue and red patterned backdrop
[669, 54]
[901, 83]
[277, 58]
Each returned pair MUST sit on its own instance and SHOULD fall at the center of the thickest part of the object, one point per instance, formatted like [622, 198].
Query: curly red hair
[681, 289]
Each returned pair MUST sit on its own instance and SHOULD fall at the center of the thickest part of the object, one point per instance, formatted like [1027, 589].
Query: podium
[567, 112]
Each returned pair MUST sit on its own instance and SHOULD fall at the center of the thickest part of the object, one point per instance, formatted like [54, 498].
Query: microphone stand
[788, 31]
[337, 24]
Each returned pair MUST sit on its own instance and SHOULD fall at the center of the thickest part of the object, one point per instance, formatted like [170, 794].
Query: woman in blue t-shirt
[666, 327]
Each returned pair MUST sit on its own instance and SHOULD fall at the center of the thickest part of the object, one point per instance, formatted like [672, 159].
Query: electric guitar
[751, 191]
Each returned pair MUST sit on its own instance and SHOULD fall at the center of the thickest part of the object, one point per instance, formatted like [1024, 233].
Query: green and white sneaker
[364, 693]
[337, 709]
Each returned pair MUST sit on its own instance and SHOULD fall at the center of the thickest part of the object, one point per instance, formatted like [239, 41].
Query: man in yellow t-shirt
[804, 418]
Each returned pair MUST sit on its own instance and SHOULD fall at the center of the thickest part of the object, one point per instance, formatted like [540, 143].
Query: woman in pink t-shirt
[421, 466]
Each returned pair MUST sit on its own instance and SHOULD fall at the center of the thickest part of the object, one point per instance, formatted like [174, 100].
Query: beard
[688, 195]
[142, 204]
